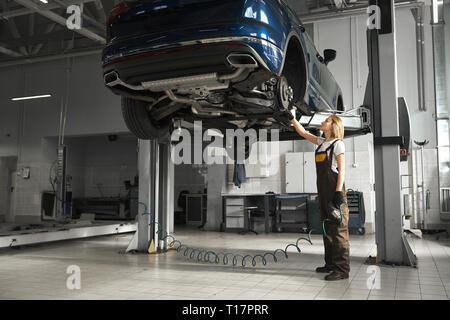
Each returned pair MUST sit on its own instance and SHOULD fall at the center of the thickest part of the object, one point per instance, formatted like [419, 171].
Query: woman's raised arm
[305, 134]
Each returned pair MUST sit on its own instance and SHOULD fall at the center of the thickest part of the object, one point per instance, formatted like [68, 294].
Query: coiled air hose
[211, 256]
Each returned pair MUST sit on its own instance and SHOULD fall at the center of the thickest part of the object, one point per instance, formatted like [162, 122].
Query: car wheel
[139, 122]
[285, 93]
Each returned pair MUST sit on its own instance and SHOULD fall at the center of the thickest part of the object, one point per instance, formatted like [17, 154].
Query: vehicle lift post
[156, 182]
[381, 95]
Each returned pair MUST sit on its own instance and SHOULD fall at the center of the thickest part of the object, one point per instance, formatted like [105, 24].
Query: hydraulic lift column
[392, 246]
[156, 192]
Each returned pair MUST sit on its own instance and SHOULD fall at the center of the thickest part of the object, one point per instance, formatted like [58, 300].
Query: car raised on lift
[229, 63]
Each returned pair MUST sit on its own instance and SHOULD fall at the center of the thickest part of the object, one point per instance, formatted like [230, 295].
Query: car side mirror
[329, 55]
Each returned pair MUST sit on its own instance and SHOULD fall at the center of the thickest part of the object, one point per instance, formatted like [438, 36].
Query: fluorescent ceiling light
[43, 1]
[32, 97]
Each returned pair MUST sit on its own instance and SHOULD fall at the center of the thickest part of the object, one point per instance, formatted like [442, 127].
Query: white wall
[107, 164]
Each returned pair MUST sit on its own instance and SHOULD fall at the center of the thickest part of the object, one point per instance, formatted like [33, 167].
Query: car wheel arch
[295, 49]
[292, 38]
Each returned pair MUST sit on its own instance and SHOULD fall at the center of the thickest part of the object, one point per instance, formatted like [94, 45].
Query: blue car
[229, 63]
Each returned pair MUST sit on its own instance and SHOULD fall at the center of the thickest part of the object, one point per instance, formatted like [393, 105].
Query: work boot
[324, 269]
[336, 275]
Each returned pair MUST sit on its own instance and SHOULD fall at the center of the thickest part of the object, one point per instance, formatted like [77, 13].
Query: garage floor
[39, 272]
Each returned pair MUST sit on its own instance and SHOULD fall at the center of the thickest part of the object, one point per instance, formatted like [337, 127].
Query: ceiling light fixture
[32, 97]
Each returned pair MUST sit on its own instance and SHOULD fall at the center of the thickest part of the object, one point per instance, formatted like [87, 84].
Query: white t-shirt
[339, 147]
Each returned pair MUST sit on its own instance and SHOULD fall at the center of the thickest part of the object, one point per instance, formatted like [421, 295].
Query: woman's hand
[338, 198]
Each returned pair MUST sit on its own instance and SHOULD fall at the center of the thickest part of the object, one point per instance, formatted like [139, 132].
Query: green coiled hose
[213, 257]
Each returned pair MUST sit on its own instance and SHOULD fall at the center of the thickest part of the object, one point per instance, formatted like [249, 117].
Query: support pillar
[392, 246]
[156, 186]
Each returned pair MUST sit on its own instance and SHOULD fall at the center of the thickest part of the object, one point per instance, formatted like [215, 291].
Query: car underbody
[247, 97]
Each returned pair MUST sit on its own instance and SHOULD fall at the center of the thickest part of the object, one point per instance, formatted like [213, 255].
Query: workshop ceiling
[30, 29]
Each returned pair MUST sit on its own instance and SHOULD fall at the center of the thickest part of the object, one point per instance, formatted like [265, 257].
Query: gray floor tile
[171, 276]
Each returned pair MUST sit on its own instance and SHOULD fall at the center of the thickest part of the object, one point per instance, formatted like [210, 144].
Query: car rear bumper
[188, 58]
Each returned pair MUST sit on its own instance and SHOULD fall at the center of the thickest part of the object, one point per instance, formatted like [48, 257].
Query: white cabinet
[309, 172]
[300, 172]
[294, 172]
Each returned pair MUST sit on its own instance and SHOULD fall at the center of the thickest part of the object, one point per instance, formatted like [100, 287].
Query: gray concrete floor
[40, 272]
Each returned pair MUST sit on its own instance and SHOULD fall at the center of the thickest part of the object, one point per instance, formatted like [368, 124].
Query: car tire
[295, 75]
[139, 122]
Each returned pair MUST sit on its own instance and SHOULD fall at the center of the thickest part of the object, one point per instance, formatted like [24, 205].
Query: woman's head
[333, 127]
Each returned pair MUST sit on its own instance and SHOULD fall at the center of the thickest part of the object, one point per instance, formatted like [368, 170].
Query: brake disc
[285, 93]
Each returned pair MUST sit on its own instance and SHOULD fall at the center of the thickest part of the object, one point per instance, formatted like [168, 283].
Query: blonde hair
[337, 130]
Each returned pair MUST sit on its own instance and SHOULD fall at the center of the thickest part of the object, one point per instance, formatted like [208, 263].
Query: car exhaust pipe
[112, 79]
[242, 60]
[194, 104]
[196, 108]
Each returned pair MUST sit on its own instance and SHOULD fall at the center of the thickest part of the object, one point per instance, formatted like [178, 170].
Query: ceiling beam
[30, 30]
[50, 6]
[13, 28]
[9, 52]
[38, 47]
[60, 20]
[101, 10]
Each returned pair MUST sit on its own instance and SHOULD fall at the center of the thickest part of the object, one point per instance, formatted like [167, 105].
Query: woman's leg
[340, 252]
[327, 241]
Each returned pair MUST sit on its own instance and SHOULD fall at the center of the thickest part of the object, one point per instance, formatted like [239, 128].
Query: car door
[314, 88]
[328, 85]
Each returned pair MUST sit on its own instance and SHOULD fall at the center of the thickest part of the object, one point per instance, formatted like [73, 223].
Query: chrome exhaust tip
[111, 79]
[242, 60]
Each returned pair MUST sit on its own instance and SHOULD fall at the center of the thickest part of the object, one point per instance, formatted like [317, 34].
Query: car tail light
[118, 10]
